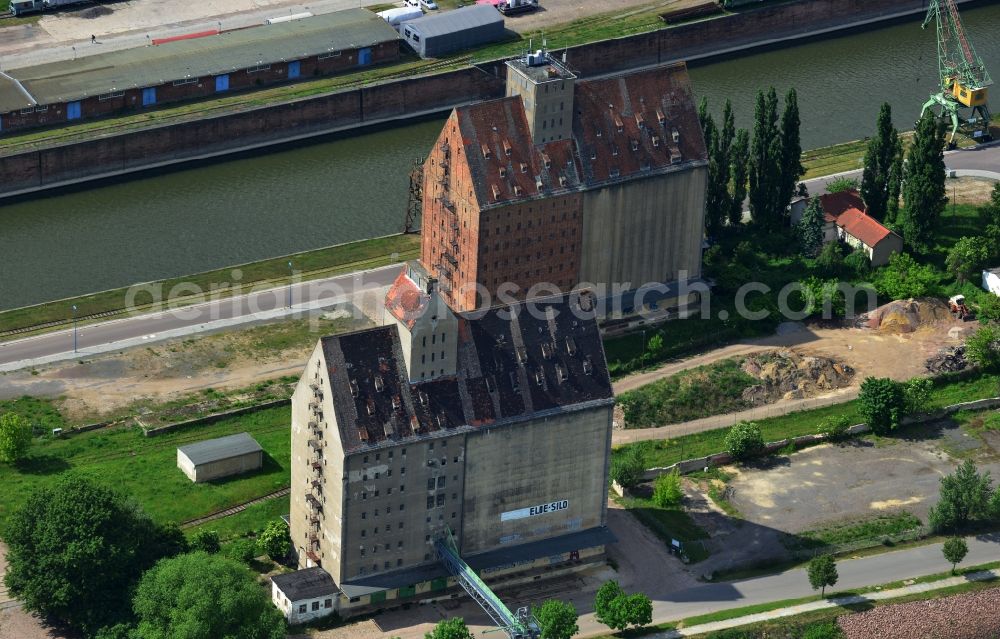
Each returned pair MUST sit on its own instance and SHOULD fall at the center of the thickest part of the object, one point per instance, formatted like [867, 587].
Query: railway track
[235, 509]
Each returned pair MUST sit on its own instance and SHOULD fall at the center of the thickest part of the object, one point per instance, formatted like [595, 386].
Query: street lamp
[291, 275]
[74, 329]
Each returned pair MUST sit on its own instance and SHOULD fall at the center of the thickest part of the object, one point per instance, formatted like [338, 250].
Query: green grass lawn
[325, 262]
[669, 451]
[713, 389]
[668, 524]
[146, 468]
[253, 519]
[41, 413]
[874, 529]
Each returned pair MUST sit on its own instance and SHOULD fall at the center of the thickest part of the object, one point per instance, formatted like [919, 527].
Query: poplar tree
[810, 228]
[739, 167]
[882, 160]
[924, 188]
[791, 168]
[765, 156]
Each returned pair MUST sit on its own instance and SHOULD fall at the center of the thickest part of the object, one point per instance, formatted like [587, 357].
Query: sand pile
[786, 374]
[906, 316]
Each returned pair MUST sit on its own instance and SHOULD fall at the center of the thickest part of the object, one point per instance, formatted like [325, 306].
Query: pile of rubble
[951, 358]
[905, 316]
[786, 374]
[967, 616]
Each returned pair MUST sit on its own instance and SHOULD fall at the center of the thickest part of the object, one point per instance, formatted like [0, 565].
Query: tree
[880, 159]
[841, 184]
[983, 348]
[274, 541]
[990, 215]
[895, 187]
[207, 541]
[917, 395]
[955, 550]
[882, 403]
[638, 609]
[966, 257]
[822, 572]
[831, 259]
[15, 437]
[790, 157]
[200, 595]
[858, 263]
[241, 550]
[77, 550]
[655, 345]
[989, 309]
[810, 228]
[557, 619]
[739, 169]
[924, 189]
[965, 497]
[627, 468]
[744, 440]
[667, 491]
[717, 186]
[604, 610]
[765, 163]
[903, 278]
[453, 628]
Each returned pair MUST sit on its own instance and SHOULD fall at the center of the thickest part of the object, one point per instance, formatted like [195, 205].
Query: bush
[903, 278]
[667, 491]
[882, 403]
[966, 496]
[983, 348]
[241, 550]
[841, 184]
[917, 395]
[744, 440]
[15, 437]
[206, 540]
[274, 541]
[627, 469]
[835, 427]
[822, 630]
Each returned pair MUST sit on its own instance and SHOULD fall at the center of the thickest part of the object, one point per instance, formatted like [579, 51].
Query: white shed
[222, 457]
[304, 595]
[991, 280]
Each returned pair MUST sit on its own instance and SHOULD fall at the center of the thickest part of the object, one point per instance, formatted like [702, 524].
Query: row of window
[315, 606]
[517, 258]
[423, 357]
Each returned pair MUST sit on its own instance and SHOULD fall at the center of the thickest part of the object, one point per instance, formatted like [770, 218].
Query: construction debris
[950, 358]
[786, 374]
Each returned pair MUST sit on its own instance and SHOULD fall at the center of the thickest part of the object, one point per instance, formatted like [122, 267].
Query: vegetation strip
[235, 509]
[219, 283]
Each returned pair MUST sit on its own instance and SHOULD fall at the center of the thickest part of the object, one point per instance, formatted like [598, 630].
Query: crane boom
[963, 75]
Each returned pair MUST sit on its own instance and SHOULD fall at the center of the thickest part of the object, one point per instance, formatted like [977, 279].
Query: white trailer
[396, 17]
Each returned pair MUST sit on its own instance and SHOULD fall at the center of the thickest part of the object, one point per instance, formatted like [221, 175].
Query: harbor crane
[964, 78]
[519, 625]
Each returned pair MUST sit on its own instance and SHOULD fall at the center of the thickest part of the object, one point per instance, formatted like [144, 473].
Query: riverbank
[225, 282]
[43, 160]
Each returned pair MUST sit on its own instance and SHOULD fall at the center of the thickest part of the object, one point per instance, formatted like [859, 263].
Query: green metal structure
[963, 76]
[519, 625]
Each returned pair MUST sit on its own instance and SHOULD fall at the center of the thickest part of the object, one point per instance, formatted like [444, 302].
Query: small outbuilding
[439, 34]
[304, 595]
[847, 220]
[991, 280]
[222, 457]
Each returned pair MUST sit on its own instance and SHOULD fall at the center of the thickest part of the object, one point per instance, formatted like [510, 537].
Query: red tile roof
[405, 300]
[847, 210]
[624, 127]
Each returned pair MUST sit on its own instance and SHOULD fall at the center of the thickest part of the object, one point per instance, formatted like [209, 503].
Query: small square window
[302, 609]
[365, 459]
[328, 603]
[315, 606]
[399, 562]
[364, 515]
[427, 557]
[430, 503]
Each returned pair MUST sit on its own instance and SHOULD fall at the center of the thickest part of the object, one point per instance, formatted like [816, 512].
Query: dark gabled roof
[212, 450]
[441, 24]
[623, 128]
[309, 583]
[847, 210]
[515, 362]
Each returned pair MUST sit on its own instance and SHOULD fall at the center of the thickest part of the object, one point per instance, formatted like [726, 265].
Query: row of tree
[90, 558]
[766, 167]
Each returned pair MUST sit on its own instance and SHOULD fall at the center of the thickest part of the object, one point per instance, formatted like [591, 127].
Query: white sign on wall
[540, 509]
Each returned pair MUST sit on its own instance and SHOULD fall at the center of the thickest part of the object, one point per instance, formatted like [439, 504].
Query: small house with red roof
[847, 221]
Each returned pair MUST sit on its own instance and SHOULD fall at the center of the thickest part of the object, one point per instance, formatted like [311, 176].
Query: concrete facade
[217, 458]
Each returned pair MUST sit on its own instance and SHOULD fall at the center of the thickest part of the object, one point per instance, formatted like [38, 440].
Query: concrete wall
[509, 468]
[219, 135]
[228, 467]
[647, 231]
[396, 501]
[42, 169]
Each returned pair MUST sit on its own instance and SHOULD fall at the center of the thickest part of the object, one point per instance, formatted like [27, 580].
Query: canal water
[355, 186]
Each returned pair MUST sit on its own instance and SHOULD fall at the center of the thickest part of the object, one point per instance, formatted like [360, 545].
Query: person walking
[93, 39]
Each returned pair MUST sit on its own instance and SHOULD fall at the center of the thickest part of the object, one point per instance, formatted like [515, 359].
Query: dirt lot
[964, 616]
[561, 11]
[95, 388]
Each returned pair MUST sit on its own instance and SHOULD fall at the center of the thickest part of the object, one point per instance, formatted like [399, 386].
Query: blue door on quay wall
[364, 57]
[293, 69]
[149, 96]
[221, 83]
[73, 111]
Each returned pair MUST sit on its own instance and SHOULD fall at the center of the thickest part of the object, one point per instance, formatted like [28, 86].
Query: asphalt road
[254, 307]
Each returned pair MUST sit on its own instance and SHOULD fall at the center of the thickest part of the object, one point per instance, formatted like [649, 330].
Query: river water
[355, 186]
